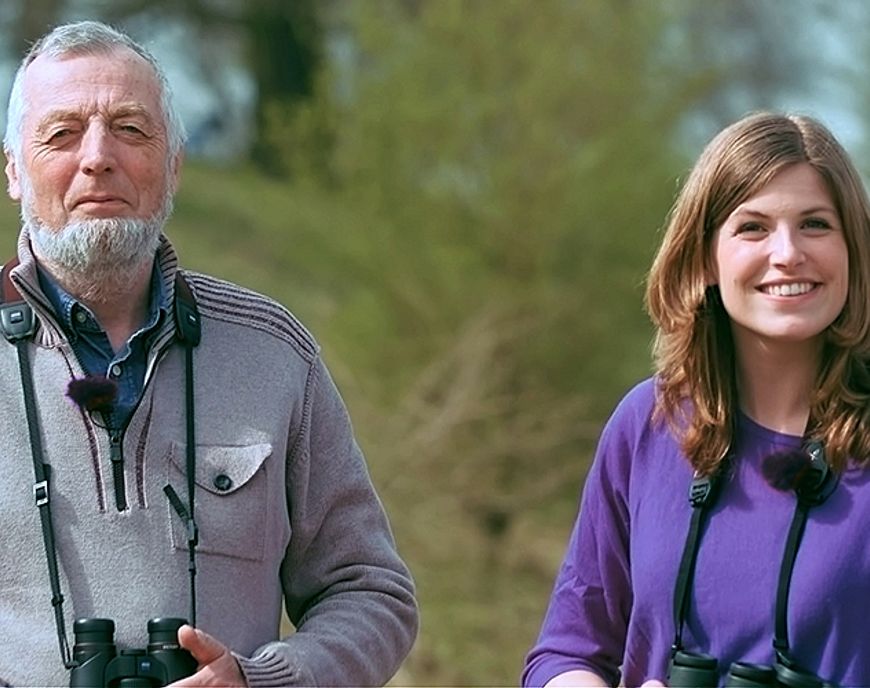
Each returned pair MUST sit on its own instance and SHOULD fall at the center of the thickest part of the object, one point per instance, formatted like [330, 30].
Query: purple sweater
[611, 607]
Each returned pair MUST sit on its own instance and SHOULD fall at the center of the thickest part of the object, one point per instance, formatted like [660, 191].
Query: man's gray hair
[87, 38]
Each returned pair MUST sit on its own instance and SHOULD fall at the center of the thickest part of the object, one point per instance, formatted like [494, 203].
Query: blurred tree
[853, 82]
[758, 54]
[32, 19]
[504, 167]
[283, 46]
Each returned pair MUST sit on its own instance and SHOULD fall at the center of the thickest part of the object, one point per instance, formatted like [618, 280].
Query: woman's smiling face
[781, 261]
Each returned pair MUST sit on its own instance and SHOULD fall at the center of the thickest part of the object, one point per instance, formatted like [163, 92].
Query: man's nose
[97, 154]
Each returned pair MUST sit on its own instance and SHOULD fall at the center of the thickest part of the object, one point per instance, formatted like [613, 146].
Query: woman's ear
[711, 267]
[711, 274]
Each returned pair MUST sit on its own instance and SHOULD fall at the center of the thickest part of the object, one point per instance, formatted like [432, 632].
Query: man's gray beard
[95, 260]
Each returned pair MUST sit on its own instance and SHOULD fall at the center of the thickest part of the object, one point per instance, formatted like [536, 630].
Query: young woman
[760, 408]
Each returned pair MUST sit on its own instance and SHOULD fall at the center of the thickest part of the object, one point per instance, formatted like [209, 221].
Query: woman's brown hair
[693, 350]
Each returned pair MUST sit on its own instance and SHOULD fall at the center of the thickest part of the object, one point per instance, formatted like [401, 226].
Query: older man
[181, 449]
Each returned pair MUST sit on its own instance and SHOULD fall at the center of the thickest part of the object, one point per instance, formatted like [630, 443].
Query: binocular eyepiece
[696, 670]
[100, 663]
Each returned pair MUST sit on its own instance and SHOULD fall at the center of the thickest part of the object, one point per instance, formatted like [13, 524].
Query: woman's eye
[749, 227]
[817, 223]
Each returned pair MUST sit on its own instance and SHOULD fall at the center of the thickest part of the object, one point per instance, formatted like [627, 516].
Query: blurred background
[461, 200]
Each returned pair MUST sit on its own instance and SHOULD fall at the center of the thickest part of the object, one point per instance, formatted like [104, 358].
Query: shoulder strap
[18, 325]
[188, 328]
[818, 484]
[702, 495]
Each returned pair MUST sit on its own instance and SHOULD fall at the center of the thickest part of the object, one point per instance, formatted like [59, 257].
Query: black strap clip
[702, 492]
[17, 321]
[40, 493]
[186, 313]
[819, 480]
[184, 515]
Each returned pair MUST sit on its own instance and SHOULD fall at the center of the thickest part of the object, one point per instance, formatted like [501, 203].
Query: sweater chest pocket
[230, 498]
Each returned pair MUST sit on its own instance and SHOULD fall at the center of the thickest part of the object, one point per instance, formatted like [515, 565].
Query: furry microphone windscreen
[93, 393]
[787, 470]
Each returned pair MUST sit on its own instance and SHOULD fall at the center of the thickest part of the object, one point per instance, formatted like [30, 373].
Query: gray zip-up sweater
[284, 503]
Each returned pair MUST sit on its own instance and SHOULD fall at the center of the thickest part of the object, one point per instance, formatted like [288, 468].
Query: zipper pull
[116, 454]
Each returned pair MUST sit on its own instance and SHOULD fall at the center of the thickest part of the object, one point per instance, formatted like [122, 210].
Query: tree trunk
[284, 40]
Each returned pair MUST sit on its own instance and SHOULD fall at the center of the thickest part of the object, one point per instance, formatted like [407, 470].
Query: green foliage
[492, 177]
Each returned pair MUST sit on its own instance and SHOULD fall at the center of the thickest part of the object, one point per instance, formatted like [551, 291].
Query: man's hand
[217, 667]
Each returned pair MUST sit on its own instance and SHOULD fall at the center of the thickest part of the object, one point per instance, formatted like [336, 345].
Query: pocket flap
[222, 469]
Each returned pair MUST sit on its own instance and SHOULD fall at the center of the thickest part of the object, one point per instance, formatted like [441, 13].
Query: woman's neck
[775, 382]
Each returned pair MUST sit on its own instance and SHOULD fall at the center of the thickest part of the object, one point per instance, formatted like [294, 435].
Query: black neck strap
[702, 494]
[792, 543]
[19, 325]
[187, 326]
[817, 485]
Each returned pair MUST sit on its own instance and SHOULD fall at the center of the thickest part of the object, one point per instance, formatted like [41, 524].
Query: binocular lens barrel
[163, 647]
[93, 649]
[94, 631]
[163, 632]
[748, 675]
[693, 670]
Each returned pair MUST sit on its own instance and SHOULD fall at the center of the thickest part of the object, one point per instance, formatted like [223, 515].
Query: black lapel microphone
[93, 393]
[804, 470]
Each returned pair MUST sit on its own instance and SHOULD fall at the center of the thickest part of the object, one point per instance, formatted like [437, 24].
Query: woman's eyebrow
[751, 212]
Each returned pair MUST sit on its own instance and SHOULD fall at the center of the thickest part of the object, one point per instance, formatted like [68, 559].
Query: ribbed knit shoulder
[228, 302]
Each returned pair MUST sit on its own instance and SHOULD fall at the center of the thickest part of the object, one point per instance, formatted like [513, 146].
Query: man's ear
[13, 181]
[175, 171]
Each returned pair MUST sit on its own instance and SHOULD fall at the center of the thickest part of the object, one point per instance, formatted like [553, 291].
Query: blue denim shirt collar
[94, 351]
[75, 317]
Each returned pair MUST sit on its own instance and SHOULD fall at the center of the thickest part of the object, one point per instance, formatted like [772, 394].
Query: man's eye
[130, 129]
[59, 134]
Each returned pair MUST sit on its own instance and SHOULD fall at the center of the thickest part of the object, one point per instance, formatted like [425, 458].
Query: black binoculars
[99, 663]
[696, 670]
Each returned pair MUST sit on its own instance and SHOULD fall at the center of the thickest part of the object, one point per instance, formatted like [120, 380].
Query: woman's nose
[787, 246]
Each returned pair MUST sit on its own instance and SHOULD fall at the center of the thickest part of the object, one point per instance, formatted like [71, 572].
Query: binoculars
[696, 670]
[99, 663]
